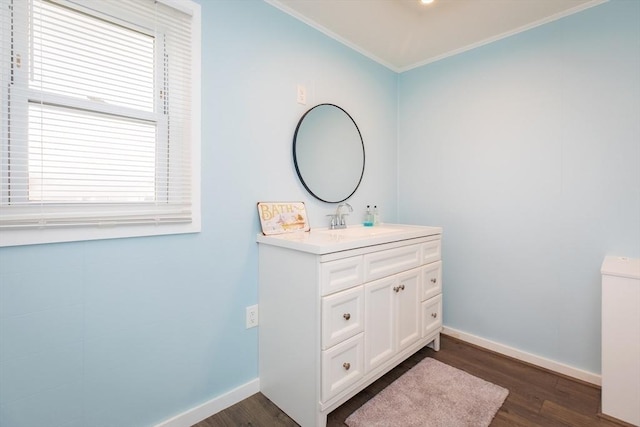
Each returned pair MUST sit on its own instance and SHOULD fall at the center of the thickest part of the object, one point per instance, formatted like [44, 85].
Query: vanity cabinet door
[431, 251]
[392, 316]
[342, 366]
[391, 261]
[340, 274]
[431, 315]
[379, 324]
[407, 307]
[431, 280]
[342, 316]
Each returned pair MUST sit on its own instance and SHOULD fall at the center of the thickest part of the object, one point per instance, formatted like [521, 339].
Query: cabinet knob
[402, 287]
[346, 365]
[434, 315]
[433, 280]
[396, 288]
[346, 316]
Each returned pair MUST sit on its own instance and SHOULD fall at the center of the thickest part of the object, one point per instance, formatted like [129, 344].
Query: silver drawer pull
[346, 316]
[434, 315]
[434, 280]
[346, 365]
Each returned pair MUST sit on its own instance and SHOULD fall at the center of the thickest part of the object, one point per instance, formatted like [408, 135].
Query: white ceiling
[404, 34]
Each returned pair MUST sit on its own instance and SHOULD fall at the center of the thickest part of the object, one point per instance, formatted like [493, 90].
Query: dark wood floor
[536, 397]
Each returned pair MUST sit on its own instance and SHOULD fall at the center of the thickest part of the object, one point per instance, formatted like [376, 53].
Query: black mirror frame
[295, 160]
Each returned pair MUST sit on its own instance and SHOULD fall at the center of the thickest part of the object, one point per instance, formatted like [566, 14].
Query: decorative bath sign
[282, 217]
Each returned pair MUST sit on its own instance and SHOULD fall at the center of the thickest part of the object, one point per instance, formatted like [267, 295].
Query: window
[100, 119]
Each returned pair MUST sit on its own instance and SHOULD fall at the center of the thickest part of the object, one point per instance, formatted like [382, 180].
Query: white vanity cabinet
[336, 314]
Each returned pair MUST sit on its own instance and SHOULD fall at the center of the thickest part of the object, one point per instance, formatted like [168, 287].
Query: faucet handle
[334, 220]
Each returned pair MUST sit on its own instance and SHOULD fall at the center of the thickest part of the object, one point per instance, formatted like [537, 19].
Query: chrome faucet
[338, 219]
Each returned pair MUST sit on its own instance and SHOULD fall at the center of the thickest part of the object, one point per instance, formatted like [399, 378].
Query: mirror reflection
[328, 153]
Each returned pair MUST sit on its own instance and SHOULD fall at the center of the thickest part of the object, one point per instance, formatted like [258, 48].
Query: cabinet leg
[321, 419]
[435, 344]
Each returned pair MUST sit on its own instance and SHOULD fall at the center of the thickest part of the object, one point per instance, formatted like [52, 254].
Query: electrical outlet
[252, 316]
[301, 95]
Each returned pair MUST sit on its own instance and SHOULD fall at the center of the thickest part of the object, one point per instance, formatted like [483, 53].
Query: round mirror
[328, 153]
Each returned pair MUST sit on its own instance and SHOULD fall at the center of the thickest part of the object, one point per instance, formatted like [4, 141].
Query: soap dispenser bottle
[376, 215]
[368, 217]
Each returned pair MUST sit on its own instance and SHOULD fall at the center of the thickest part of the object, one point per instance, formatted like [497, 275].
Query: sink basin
[357, 232]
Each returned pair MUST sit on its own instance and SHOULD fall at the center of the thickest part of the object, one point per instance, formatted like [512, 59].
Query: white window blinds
[96, 113]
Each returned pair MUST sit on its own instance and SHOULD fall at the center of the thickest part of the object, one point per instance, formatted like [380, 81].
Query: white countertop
[323, 240]
[621, 266]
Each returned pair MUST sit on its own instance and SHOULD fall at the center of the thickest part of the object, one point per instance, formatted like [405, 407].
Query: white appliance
[621, 339]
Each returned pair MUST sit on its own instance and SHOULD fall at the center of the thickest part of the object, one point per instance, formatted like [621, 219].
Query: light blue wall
[130, 332]
[527, 152]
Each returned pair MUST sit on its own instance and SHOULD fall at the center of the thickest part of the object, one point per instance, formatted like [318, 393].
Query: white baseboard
[213, 406]
[533, 359]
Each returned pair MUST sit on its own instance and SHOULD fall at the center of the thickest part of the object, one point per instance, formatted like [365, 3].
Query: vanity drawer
[340, 274]
[342, 316]
[431, 315]
[342, 366]
[431, 280]
[392, 261]
[431, 251]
